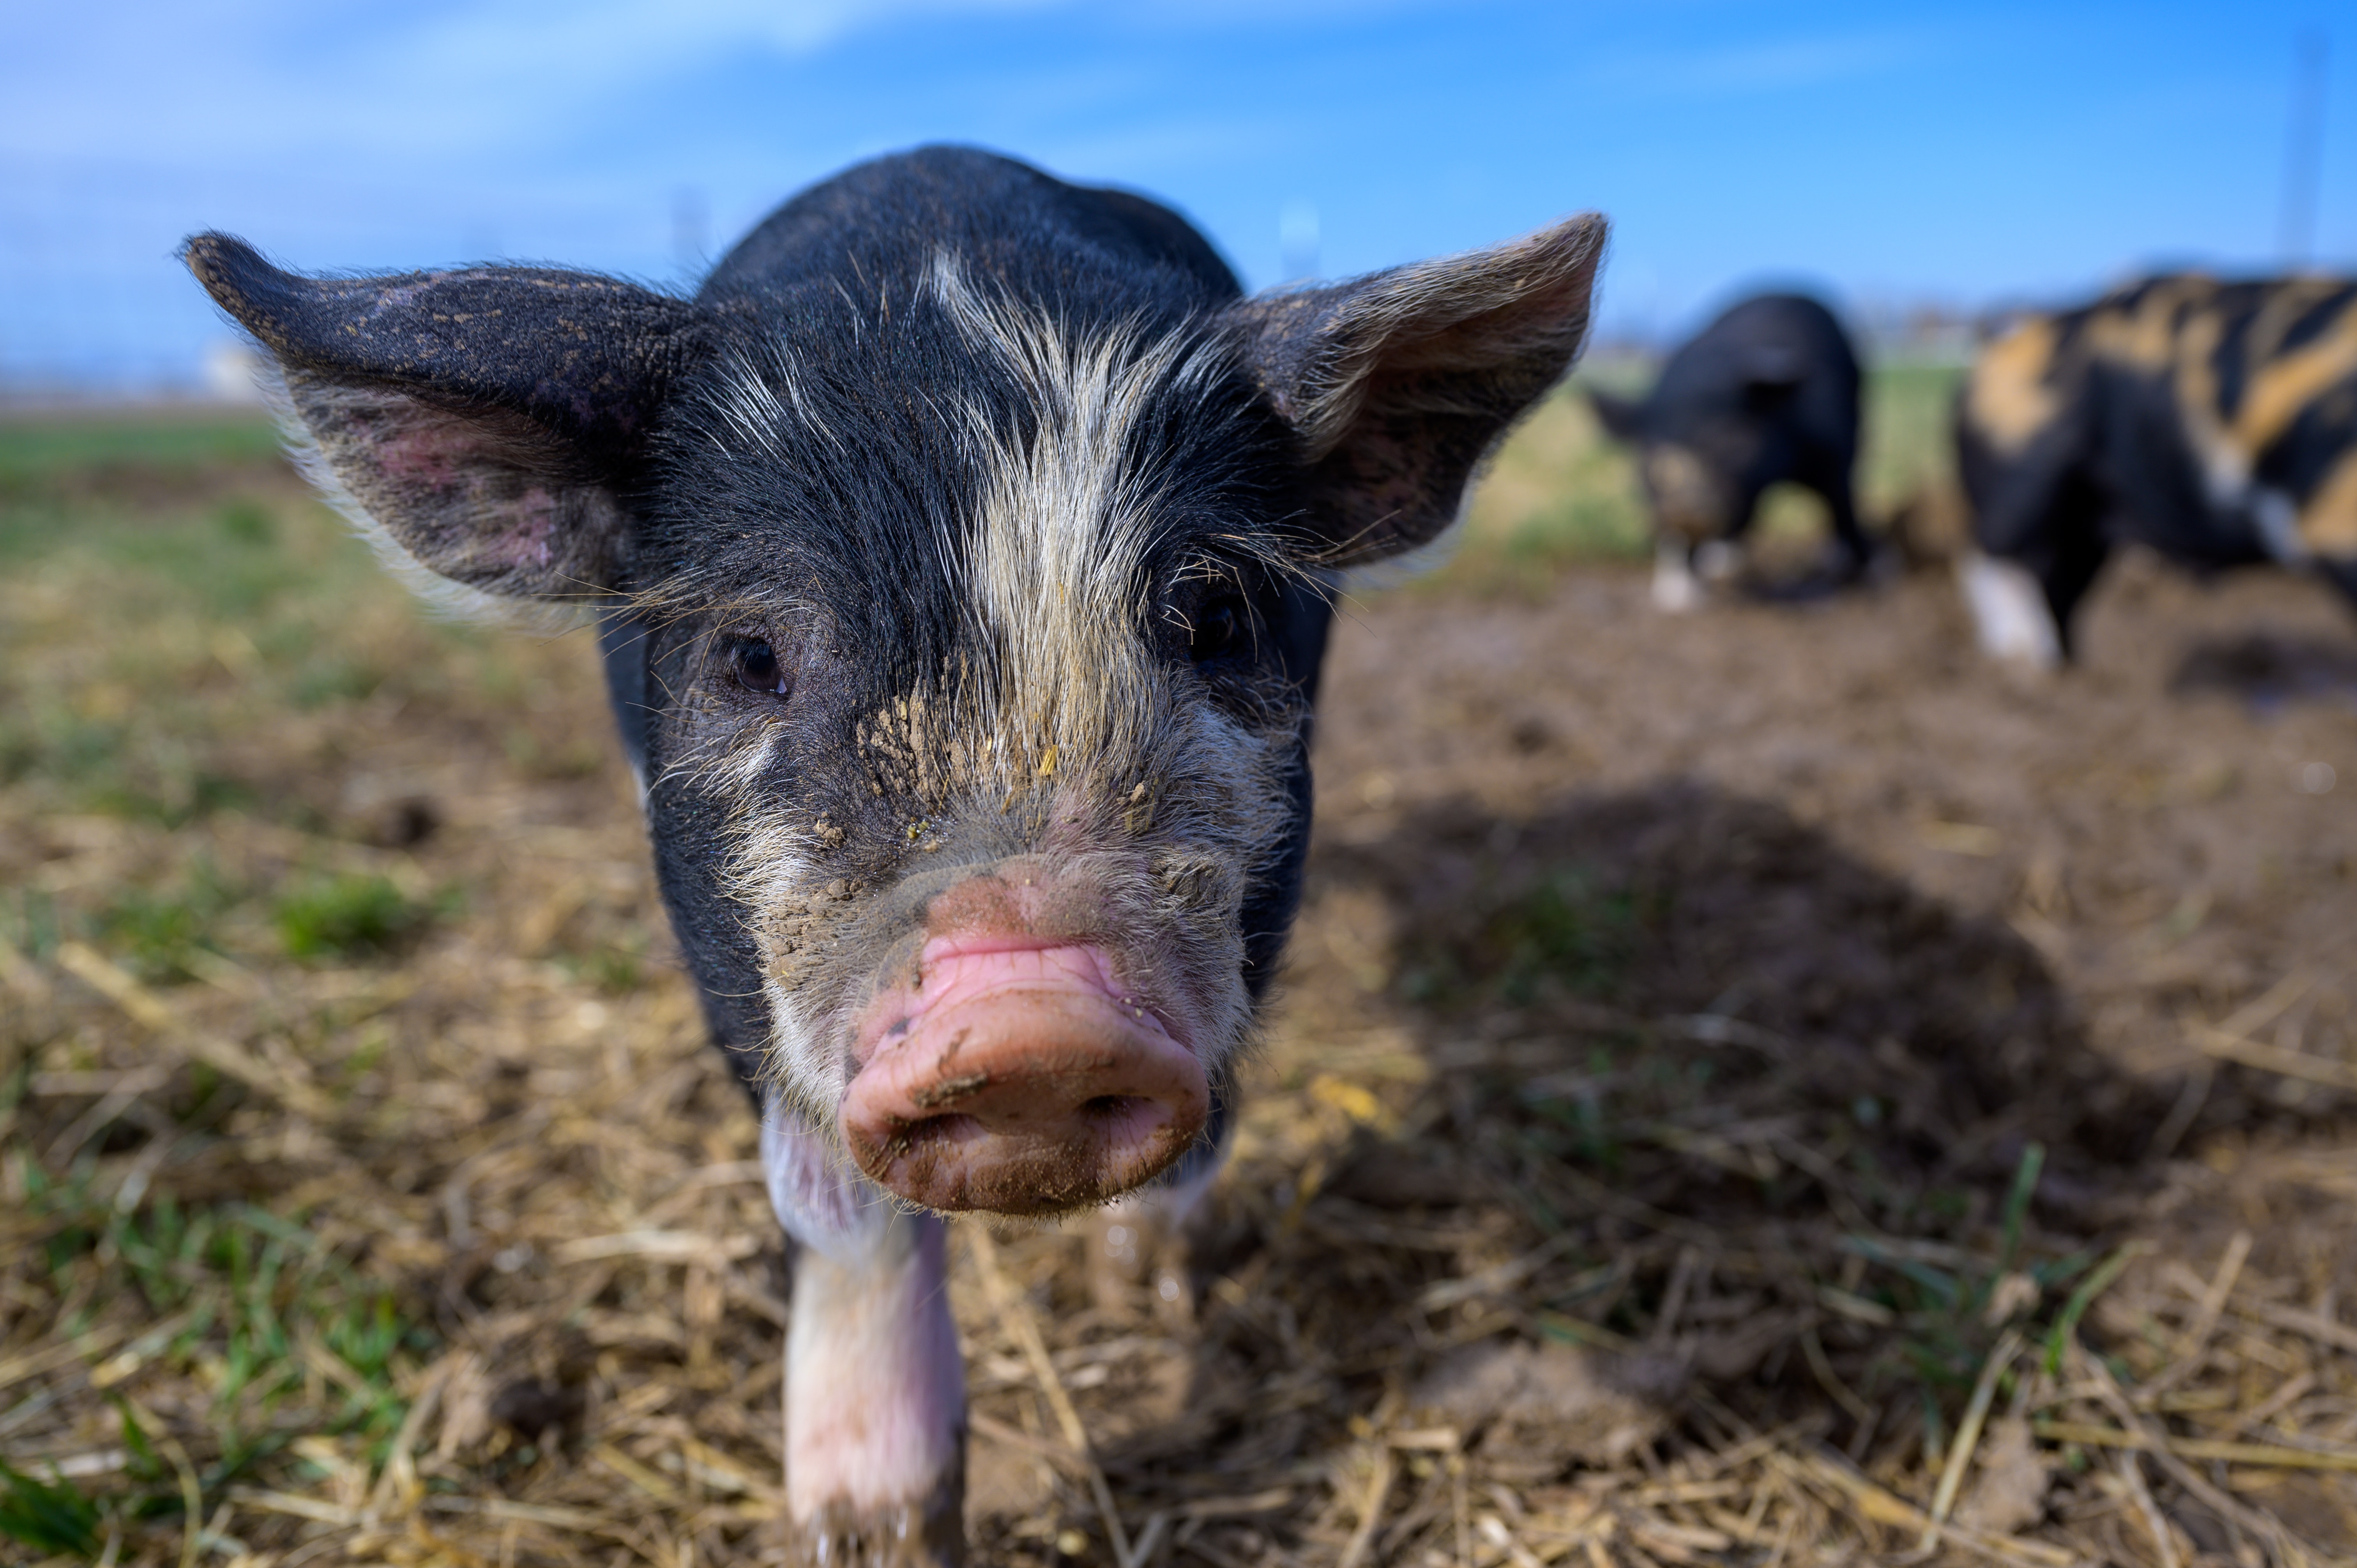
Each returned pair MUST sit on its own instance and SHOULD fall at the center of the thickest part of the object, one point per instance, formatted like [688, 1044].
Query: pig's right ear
[1400, 384]
[480, 423]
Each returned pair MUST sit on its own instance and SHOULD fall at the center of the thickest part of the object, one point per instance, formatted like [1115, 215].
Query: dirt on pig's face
[977, 767]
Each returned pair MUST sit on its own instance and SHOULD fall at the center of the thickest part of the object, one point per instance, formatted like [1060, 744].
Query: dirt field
[1757, 1087]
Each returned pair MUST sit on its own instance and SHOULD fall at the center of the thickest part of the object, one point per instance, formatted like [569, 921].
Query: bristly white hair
[1054, 569]
[756, 401]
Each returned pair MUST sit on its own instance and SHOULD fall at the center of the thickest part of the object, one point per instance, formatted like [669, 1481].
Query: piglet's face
[961, 572]
[996, 774]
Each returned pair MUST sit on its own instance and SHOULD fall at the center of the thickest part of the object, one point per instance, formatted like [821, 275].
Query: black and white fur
[1767, 394]
[963, 513]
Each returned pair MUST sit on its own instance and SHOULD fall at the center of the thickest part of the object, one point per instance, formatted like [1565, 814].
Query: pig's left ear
[1401, 383]
[484, 422]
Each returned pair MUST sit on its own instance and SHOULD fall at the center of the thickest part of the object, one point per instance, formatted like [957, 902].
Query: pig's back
[882, 221]
[1715, 365]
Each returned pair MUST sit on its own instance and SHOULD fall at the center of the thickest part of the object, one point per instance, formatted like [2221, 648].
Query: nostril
[952, 1127]
[1107, 1107]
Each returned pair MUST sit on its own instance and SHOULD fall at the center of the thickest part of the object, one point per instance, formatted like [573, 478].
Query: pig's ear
[1623, 418]
[1401, 383]
[482, 424]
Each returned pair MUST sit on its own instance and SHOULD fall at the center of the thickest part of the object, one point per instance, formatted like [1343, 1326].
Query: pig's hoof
[930, 1534]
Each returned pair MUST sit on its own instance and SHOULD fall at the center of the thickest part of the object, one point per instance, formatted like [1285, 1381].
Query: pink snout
[1018, 1079]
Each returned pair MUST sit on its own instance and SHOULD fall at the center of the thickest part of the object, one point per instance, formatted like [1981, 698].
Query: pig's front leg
[874, 1388]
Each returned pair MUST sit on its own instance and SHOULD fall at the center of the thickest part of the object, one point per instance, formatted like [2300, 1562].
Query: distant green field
[175, 554]
[1561, 491]
[48, 450]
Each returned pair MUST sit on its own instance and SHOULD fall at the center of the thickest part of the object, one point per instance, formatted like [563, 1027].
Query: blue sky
[1886, 155]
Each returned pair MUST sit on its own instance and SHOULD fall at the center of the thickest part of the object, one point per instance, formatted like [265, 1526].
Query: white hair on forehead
[1054, 565]
[756, 399]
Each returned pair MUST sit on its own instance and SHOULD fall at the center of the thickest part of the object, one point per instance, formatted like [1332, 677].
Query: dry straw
[451, 1251]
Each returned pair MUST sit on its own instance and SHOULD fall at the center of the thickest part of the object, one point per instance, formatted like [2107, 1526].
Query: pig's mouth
[1017, 1077]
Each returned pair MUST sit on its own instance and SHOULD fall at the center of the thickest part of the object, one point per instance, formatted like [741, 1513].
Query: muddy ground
[1715, 1050]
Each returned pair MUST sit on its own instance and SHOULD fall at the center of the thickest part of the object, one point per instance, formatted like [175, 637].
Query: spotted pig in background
[960, 554]
[2214, 422]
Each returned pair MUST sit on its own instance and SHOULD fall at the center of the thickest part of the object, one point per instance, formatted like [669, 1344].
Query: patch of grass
[1560, 491]
[1907, 442]
[172, 798]
[249, 1306]
[47, 738]
[46, 1516]
[1565, 931]
[1557, 492]
[229, 563]
[614, 970]
[158, 931]
[349, 917]
[109, 764]
[246, 522]
[1948, 1311]
[335, 679]
[34, 452]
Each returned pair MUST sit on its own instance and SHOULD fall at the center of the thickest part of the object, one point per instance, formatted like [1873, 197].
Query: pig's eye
[757, 669]
[1219, 629]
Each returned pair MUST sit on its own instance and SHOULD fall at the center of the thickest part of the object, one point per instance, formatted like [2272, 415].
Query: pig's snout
[1021, 1080]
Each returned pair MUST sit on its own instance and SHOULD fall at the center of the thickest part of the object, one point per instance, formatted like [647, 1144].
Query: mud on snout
[1026, 1034]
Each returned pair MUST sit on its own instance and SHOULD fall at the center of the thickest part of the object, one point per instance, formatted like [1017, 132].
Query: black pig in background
[1767, 394]
[961, 554]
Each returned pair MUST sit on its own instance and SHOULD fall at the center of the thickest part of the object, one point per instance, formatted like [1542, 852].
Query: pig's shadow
[1672, 1023]
[1680, 902]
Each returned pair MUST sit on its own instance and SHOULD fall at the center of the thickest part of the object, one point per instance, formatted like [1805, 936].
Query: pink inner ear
[527, 539]
[432, 454]
[443, 461]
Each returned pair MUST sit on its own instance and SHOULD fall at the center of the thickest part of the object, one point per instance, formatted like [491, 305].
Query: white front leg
[1676, 589]
[875, 1390]
[2009, 611]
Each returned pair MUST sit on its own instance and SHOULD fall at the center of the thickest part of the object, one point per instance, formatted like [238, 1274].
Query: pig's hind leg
[1854, 547]
[1828, 469]
[874, 1390]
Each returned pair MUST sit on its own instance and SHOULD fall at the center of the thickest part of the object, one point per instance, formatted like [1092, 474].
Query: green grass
[146, 624]
[43, 452]
[168, 595]
[47, 1516]
[1559, 930]
[248, 1305]
[159, 930]
[1907, 442]
[348, 918]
